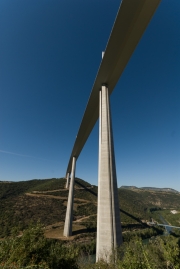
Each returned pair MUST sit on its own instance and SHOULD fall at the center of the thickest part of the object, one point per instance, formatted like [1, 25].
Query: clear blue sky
[50, 52]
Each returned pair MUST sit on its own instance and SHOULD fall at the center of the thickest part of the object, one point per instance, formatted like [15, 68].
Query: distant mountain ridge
[4, 181]
[150, 189]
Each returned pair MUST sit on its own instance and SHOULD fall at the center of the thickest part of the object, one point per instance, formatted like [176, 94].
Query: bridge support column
[109, 233]
[67, 181]
[69, 210]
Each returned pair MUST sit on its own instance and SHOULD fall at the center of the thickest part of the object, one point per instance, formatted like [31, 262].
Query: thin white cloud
[17, 154]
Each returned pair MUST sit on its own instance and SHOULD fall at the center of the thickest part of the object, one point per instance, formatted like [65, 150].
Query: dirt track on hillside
[55, 197]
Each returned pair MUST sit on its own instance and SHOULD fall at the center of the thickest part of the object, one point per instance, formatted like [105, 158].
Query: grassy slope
[46, 201]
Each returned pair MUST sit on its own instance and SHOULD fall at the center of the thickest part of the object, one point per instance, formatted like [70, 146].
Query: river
[168, 229]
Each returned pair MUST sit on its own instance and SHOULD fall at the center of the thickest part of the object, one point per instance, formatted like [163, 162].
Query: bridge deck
[130, 24]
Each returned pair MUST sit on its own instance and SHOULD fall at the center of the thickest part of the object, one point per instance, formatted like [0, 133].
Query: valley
[25, 203]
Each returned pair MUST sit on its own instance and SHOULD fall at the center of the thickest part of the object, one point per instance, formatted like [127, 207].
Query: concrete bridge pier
[109, 233]
[67, 180]
[69, 210]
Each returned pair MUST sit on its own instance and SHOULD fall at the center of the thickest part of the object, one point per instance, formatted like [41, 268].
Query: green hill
[45, 200]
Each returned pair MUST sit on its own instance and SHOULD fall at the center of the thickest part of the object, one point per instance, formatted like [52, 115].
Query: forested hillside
[32, 217]
[27, 202]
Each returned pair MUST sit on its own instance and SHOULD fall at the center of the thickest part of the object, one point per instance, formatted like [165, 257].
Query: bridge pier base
[109, 233]
[69, 210]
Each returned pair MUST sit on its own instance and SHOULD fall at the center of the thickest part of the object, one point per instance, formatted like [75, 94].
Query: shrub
[34, 250]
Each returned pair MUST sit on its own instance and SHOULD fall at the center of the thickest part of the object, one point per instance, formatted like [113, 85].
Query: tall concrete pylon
[69, 210]
[109, 232]
[67, 180]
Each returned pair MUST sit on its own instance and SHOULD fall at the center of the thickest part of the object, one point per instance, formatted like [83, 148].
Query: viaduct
[132, 19]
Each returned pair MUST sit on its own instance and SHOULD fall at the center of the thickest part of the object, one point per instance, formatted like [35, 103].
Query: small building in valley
[174, 212]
